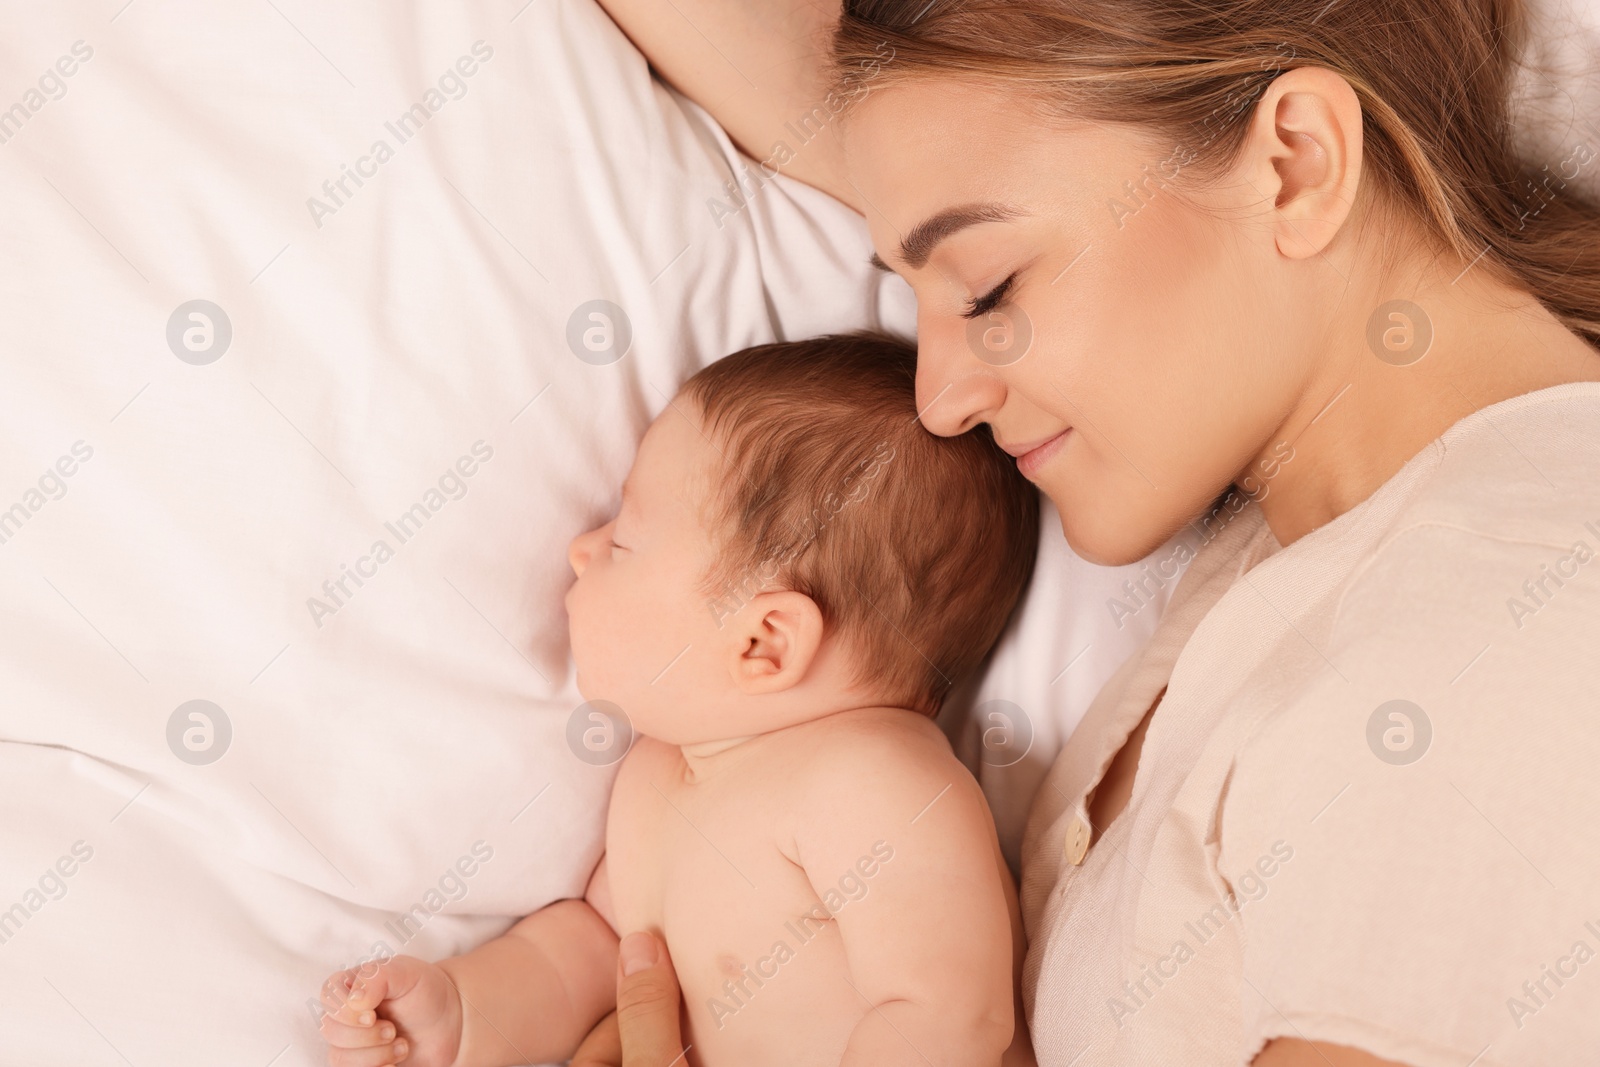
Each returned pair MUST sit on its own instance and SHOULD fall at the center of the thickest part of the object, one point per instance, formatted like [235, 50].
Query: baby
[798, 575]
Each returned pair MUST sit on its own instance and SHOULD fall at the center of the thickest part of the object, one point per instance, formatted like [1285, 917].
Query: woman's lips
[1030, 461]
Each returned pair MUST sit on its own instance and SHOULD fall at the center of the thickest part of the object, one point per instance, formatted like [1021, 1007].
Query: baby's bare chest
[710, 867]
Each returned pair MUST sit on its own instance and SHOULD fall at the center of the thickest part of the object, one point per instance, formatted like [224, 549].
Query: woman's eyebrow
[925, 236]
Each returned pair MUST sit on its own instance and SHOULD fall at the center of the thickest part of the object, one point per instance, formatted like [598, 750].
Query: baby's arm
[531, 995]
[929, 944]
[528, 996]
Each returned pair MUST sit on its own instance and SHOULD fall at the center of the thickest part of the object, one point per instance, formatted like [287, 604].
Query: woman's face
[1150, 333]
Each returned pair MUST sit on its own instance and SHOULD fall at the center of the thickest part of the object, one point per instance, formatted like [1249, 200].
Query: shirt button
[1077, 843]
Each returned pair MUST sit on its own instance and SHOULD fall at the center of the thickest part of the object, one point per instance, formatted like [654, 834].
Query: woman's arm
[755, 66]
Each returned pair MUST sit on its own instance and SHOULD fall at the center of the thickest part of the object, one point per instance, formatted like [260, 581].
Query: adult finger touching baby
[644, 1031]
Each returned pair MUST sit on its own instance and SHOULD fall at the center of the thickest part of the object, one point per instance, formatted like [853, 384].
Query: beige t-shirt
[1367, 810]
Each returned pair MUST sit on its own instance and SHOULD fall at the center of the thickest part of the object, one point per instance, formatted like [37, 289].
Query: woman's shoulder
[1498, 518]
[1431, 763]
[1454, 665]
[1481, 586]
[1524, 469]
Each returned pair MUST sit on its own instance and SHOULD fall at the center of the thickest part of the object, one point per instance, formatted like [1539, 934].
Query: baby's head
[792, 542]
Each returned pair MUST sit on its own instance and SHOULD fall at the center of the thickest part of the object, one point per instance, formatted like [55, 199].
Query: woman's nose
[955, 389]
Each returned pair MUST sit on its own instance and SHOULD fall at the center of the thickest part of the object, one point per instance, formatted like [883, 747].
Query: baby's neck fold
[702, 758]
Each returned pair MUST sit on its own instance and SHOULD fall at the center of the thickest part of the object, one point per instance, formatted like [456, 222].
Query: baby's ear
[778, 635]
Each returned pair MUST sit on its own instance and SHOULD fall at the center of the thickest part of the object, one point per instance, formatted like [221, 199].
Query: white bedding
[399, 347]
[397, 343]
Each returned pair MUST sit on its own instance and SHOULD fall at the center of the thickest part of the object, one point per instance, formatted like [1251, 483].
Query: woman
[1266, 275]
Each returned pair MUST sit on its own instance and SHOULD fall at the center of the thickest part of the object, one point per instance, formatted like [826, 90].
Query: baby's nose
[578, 552]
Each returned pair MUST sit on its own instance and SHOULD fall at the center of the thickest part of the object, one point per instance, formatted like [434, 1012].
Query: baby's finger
[341, 1034]
[392, 979]
[376, 1056]
[335, 995]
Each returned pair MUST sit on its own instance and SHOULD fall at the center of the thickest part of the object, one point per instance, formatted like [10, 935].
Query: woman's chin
[1106, 546]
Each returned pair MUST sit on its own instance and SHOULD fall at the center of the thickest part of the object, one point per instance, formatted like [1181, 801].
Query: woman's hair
[1434, 79]
[916, 548]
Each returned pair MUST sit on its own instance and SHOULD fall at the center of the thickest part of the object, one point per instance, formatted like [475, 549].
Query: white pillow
[1557, 100]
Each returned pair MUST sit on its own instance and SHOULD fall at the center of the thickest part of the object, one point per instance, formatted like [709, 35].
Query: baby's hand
[407, 1012]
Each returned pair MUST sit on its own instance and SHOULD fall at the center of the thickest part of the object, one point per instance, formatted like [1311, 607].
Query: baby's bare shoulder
[879, 760]
[893, 734]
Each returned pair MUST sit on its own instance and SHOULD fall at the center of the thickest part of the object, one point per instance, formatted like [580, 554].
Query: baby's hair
[915, 547]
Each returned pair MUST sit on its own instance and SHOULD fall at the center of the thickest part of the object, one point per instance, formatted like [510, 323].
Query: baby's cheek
[582, 632]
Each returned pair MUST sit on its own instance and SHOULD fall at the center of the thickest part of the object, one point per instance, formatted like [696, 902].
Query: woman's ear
[1303, 151]
[776, 637]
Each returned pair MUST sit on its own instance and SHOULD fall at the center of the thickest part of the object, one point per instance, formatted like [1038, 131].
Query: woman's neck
[1372, 405]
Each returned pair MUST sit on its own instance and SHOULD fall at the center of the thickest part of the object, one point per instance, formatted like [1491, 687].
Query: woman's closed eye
[989, 301]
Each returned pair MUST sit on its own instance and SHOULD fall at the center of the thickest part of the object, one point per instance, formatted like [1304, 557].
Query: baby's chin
[598, 696]
[666, 725]
[667, 729]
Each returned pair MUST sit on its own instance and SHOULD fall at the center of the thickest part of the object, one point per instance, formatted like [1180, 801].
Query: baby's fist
[400, 1010]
